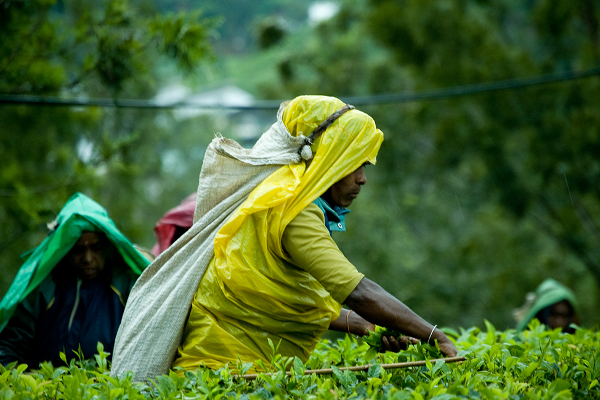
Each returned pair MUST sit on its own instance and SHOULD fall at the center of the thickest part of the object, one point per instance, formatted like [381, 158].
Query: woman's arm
[17, 336]
[372, 302]
[353, 323]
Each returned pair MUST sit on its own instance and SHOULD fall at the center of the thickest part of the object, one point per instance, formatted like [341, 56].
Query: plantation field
[536, 364]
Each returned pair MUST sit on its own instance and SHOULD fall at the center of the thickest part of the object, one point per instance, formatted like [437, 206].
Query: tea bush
[535, 364]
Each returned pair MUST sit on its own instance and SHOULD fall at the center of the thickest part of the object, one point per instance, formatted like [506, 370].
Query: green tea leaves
[530, 365]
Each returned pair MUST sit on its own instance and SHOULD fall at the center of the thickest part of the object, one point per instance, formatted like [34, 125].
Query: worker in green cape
[553, 304]
[71, 290]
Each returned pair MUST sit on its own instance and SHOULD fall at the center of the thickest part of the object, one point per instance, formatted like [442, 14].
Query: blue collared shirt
[335, 217]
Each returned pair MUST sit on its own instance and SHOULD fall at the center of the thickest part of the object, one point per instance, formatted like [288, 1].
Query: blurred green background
[474, 201]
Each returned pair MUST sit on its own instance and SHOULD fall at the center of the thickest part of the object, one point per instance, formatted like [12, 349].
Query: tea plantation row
[535, 364]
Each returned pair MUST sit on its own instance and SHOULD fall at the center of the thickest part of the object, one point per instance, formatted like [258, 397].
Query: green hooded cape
[79, 214]
[548, 293]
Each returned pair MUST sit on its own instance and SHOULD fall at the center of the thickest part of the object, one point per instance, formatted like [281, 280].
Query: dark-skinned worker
[174, 224]
[70, 293]
[276, 272]
[553, 304]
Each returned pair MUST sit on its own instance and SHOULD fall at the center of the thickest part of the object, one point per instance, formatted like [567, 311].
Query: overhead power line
[436, 94]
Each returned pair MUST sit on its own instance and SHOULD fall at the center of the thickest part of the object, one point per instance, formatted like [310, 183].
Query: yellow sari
[252, 290]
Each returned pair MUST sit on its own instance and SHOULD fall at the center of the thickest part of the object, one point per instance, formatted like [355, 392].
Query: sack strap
[320, 129]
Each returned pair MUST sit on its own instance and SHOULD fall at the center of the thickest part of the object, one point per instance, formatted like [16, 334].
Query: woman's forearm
[372, 302]
[351, 322]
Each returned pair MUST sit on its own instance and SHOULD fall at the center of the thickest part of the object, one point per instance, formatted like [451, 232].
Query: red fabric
[182, 216]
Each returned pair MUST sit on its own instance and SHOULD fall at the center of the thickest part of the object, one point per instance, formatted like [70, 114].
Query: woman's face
[87, 256]
[343, 192]
[561, 315]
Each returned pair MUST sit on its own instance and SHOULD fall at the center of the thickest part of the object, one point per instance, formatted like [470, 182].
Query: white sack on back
[158, 306]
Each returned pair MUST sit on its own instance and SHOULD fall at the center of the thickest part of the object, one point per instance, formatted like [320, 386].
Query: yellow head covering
[349, 142]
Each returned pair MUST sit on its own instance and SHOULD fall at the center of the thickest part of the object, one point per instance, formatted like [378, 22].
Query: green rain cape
[79, 214]
[548, 293]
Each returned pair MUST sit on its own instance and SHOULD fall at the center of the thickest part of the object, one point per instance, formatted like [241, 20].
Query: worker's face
[87, 256]
[561, 315]
[343, 192]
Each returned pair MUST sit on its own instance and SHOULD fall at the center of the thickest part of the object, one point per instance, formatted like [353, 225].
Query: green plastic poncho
[548, 293]
[79, 214]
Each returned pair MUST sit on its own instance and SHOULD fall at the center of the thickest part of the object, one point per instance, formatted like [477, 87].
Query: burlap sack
[157, 308]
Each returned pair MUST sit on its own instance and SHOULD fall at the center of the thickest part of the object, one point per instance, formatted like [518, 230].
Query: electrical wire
[436, 94]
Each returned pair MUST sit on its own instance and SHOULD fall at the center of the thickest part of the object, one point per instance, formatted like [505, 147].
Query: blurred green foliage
[244, 21]
[476, 199]
[81, 48]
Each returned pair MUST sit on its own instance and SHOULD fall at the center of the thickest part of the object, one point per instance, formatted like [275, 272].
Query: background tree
[482, 196]
[90, 49]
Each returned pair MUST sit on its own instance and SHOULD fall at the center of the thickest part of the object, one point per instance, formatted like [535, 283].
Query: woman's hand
[391, 343]
[444, 343]
[447, 347]
[379, 307]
